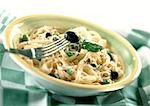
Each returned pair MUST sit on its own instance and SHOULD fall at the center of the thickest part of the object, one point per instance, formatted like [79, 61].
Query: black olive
[53, 75]
[114, 75]
[72, 37]
[93, 65]
[110, 55]
[48, 34]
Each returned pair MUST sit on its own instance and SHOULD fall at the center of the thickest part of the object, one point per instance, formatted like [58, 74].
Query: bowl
[121, 46]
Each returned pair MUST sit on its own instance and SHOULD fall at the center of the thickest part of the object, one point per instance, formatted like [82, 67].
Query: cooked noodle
[82, 66]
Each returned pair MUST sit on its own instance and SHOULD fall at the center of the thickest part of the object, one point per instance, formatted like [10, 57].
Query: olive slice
[114, 75]
[71, 36]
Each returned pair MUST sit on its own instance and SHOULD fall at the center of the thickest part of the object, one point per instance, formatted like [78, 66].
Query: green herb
[56, 33]
[93, 47]
[69, 53]
[69, 71]
[105, 82]
[23, 38]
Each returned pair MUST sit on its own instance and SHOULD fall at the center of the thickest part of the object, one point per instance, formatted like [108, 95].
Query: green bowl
[121, 46]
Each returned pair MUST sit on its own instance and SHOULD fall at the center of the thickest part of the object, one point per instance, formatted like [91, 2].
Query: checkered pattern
[17, 88]
[5, 18]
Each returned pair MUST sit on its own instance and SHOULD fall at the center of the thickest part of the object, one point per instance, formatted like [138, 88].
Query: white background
[113, 14]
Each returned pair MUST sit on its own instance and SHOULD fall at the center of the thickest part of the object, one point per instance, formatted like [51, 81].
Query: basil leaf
[56, 33]
[105, 82]
[93, 47]
[69, 53]
[69, 71]
[23, 38]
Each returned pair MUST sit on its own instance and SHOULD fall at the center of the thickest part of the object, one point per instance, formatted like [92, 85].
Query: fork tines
[50, 49]
[6, 18]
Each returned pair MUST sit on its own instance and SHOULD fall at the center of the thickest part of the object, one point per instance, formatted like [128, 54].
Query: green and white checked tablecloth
[17, 88]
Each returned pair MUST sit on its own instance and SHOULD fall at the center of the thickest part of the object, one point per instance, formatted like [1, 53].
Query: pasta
[89, 61]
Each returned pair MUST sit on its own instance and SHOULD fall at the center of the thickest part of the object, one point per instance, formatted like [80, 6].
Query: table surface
[113, 14]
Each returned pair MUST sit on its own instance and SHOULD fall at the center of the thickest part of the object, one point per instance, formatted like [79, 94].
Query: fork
[6, 18]
[47, 50]
[40, 52]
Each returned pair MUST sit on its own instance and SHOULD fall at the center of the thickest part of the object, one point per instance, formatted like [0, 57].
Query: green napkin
[17, 88]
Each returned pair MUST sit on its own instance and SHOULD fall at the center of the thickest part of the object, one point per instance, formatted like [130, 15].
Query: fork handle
[26, 52]
[10, 50]
[4, 50]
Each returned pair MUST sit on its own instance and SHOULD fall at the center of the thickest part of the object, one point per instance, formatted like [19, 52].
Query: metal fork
[40, 52]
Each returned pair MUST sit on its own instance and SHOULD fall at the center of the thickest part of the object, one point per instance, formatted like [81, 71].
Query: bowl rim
[110, 87]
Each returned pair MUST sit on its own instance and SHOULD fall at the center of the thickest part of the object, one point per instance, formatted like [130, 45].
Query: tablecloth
[17, 88]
